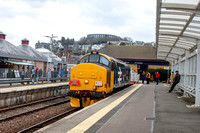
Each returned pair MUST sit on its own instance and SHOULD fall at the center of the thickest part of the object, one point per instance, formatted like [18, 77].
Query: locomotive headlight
[80, 73]
[92, 74]
[86, 81]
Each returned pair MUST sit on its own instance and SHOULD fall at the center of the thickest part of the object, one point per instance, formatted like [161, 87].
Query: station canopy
[177, 27]
[18, 62]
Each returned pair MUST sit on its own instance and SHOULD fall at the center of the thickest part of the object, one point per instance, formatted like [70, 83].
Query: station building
[139, 58]
[13, 58]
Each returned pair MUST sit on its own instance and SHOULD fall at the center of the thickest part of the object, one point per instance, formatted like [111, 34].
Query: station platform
[21, 94]
[20, 87]
[140, 108]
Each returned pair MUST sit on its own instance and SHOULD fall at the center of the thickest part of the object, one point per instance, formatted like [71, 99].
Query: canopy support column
[197, 95]
[186, 71]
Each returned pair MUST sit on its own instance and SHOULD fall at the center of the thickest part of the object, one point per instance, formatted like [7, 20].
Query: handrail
[30, 80]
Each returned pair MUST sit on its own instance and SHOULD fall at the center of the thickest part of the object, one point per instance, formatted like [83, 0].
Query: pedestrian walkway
[172, 115]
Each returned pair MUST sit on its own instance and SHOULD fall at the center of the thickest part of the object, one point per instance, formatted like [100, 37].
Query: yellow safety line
[21, 87]
[86, 124]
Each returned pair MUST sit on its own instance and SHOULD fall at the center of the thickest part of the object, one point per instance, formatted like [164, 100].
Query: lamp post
[50, 54]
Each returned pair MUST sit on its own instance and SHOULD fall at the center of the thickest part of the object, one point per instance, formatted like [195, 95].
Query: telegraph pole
[50, 54]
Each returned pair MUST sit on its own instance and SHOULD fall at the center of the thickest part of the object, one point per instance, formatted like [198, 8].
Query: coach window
[94, 58]
[104, 61]
[84, 60]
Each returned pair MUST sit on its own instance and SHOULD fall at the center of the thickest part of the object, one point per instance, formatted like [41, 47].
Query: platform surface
[147, 109]
[5, 89]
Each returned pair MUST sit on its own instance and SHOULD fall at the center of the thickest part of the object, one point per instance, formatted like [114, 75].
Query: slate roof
[130, 52]
[11, 51]
[33, 53]
[46, 53]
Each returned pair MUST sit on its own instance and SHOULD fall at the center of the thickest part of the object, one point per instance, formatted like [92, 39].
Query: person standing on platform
[148, 76]
[143, 76]
[36, 73]
[157, 75]
[175, 81]
[22, 75]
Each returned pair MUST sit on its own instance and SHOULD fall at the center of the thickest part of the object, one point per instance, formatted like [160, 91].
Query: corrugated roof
[130, 52]
[177, 27]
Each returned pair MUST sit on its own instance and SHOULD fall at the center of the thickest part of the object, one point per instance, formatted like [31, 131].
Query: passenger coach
[94, 76]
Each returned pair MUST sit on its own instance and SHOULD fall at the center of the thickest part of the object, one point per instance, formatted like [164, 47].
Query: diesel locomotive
[94, 76]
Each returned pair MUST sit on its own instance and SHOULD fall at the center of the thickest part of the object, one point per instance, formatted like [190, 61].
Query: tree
[82, 41]
[122, 43]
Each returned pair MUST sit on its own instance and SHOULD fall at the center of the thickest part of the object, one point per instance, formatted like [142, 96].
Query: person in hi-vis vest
[148, 76]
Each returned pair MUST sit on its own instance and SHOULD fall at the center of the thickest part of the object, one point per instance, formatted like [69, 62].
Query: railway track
[31, 111]
[19, 117]
[31, 103]
[48, 121]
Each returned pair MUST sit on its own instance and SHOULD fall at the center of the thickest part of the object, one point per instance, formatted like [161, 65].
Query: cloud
[33, 19]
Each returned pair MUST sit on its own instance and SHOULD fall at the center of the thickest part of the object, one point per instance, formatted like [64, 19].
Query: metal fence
[6, 73]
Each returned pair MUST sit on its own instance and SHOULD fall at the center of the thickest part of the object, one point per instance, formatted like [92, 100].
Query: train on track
[94, 76]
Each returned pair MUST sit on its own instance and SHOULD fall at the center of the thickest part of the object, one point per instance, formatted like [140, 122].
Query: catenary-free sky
[34, 19]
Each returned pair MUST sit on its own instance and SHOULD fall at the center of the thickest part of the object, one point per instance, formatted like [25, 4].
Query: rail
[48, 121]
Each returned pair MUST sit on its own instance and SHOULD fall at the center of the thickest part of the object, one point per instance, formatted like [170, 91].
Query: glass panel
[84, 60]
[104, 61]
[94, 58]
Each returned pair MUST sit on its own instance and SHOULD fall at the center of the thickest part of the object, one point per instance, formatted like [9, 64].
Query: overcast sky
[34, 19]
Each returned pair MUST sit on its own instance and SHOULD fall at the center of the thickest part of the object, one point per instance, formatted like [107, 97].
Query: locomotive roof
[108, 57]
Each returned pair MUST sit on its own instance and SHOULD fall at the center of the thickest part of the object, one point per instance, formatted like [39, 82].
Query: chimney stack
[25, 42]
[2, 35]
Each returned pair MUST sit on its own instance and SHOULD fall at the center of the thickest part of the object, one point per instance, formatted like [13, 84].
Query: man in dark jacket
[143, 76]
[175, 81]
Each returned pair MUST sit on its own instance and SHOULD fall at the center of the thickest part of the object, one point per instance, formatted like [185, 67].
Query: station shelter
[178, 41]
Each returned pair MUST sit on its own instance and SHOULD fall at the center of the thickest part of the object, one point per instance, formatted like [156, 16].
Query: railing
[10, 76]
[7, 73]
[28, 81]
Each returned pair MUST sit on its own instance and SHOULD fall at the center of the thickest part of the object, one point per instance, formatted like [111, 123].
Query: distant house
[42, 45]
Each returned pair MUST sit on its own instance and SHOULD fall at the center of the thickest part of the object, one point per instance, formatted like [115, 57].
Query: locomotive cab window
[94, 58]
[84, 60]
[104, 61]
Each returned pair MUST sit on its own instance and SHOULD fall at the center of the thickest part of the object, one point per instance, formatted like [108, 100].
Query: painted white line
[87, 123]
